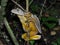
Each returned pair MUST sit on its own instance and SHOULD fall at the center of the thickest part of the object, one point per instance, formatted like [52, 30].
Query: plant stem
[30, 2]
[27, 10]
[40, 17]
[10, 32]
[42, 8]
[27, 5]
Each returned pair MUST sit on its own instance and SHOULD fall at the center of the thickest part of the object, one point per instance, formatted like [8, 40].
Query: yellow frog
[30, 25]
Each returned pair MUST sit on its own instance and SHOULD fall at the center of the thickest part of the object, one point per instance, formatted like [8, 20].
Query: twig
[42, 8]
[27, 5]
[51, 4]
[18, 5]
[27, 9]
[40, 16]
[30, 2]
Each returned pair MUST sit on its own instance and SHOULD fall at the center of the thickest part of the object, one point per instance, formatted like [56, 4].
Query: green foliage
[53, 43]
[3, 6]
[35, 8]
[4, 2]
[53, 11]
[57, 42]
[32, 42]
[2, 10]
[50, 22]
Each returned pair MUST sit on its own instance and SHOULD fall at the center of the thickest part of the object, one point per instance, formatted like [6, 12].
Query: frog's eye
[17, 11]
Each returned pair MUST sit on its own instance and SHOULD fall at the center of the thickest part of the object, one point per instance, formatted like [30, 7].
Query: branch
[40, 16]
[51, 4]
[27, 5]
[42, 8]
[18, 5]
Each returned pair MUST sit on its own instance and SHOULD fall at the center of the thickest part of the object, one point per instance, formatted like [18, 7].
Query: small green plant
[32, 42]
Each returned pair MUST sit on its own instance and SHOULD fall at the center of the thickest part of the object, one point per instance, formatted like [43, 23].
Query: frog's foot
[25, 37]
[35, 37]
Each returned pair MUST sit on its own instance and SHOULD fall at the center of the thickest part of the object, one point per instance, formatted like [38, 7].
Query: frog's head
[20, 14]
[23, 16]
[17, 11]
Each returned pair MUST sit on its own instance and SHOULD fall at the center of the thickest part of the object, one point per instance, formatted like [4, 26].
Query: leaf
[53, 43]
[50, 22]
[32, 42]
[58, 41]
[50, 25]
